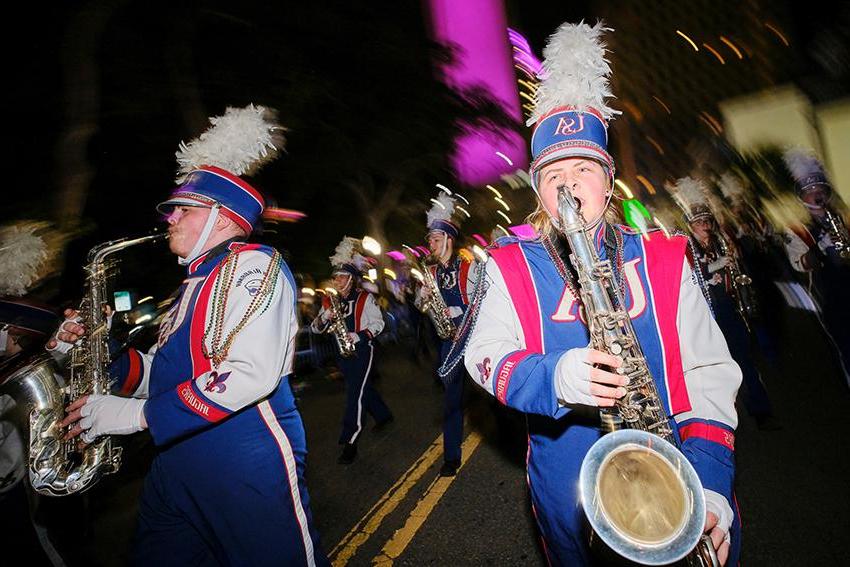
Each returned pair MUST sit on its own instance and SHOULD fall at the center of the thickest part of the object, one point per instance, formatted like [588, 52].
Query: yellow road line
[371, 521]
[402, 538]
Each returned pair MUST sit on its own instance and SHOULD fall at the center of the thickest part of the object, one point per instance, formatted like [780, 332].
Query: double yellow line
[342, 553]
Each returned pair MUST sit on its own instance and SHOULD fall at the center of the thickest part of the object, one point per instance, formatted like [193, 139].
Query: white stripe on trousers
[292, 476]
[360, 397]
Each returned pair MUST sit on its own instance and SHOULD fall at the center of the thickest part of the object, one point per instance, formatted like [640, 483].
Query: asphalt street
[389, 506]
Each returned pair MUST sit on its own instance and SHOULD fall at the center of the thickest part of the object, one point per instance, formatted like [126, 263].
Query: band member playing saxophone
[454, 277]
[528, 341]
[820, 249]
[361, 321]
[214, 391]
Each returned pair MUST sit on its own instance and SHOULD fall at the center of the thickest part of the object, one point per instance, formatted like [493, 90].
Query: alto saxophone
[837, 233]
[435, 305]
[640, 494]
[742, 284]
[338, 329]
[58, 467]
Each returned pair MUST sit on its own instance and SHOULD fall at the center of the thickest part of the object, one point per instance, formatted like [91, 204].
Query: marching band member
[820, 248]
[713, 258]
[455, 278]
[360, 322]
[527, 344]
[214, 391]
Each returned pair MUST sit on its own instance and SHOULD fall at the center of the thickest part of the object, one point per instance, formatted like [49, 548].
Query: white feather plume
[22, 254]
[240, 141]
[689, 192]
[802, 163]
[345, 251]
[442, 211]
[575, 71]
[731, 187]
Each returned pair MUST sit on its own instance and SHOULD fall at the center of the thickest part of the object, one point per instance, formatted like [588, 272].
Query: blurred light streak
[655, 145]
[462, 198]
[480, 239]
[416, 274]
[711, 122]
[663, 105]
[634, 110]
[464, 211]
[716, 54]
[390, 273]
[660, 225]
[506, 217]
[396, 255]
[645, 182]
[285, 215]
[371, 245]
[142, 300]
[424, 251]
[527, 97]
[500, 227]
[624, 188]
[732, 46]
[493, 189]
[444, 188]
[373, 274]
[506, 158]
[479, 252]
[777, 32]
[308, 291]
[143, 319]
[531, 86]
[503, 203]
[436, 202]
[689, 40]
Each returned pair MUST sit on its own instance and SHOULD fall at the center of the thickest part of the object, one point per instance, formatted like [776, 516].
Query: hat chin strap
[202, 239]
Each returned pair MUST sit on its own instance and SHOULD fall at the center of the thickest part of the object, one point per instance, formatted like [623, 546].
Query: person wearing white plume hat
[364, 322]
[527, 343]
[711, 259]
[820, 248]
[214, 391]
[455, 278]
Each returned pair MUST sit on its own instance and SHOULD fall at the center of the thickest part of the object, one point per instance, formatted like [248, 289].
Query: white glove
[719, 506]
[63, 347]
[326, 315]
[455, 311]
[825, 242]
[718, 264]
[111, 415]
[355, 338]
[572, 377]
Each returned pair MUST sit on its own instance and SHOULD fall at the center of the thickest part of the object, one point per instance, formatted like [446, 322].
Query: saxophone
[58, 467]
[837, 233]
[742, 284]
[640, 494]
[338, 329]
[436, 306]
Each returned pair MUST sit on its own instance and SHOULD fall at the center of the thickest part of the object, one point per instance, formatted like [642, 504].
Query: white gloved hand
[578, 382]
[111, 415]
[719, 506]
[327, 314]
[718, 264]
[62, 347]
[355, 338]
[455, 311]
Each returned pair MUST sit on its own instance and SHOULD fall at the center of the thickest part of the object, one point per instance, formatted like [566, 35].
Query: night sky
[103, 92]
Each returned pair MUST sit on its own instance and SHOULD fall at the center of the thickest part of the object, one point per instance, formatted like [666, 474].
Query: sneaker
[349, 453]
[449, 468]
[382, 424]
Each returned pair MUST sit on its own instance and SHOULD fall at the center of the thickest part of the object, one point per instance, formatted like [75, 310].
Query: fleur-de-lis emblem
[215, 383]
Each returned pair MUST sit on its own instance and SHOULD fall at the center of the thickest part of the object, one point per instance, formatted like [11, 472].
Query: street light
[371, 245]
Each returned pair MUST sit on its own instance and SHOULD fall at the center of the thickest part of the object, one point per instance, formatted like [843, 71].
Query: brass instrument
[337, 327]
[837, 233]
[640, 494]
[742, 284]
[58, 467]
[435, 305]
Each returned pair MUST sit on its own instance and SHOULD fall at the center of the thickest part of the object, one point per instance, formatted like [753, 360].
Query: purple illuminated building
[478, 28]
